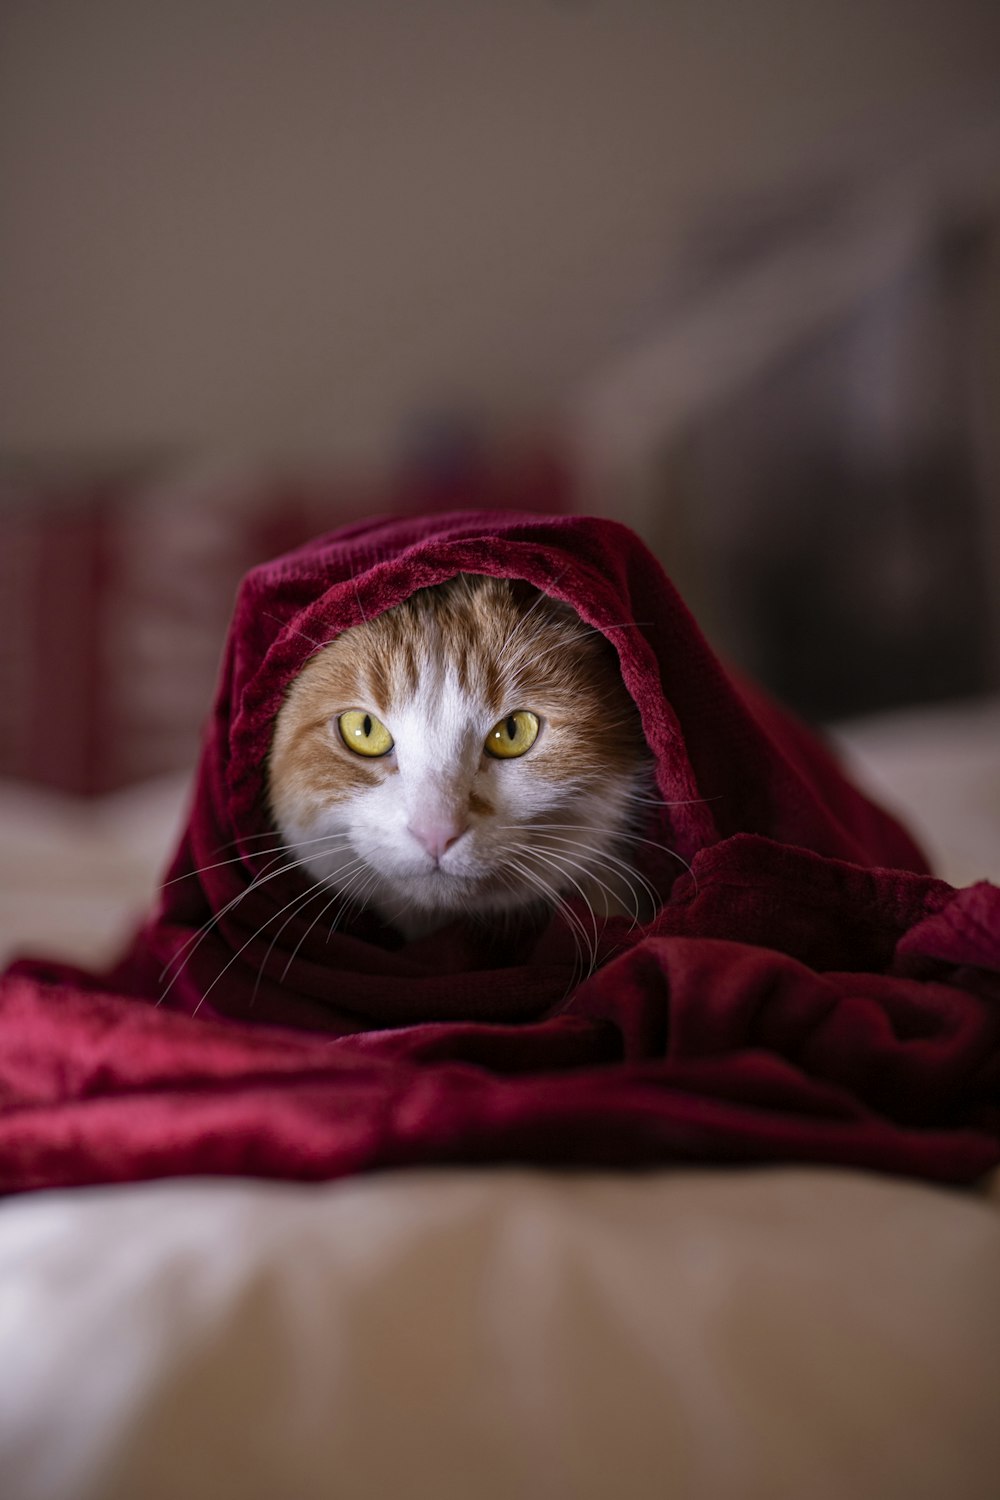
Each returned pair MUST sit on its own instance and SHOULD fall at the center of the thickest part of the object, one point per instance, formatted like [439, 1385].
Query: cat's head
[472, 751]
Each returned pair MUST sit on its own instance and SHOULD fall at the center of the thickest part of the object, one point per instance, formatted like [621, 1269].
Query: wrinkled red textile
[807, 992]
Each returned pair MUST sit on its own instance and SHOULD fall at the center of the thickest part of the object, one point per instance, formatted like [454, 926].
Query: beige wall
[240, 226]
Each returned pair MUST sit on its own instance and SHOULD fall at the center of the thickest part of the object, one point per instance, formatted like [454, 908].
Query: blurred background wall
[730, 270]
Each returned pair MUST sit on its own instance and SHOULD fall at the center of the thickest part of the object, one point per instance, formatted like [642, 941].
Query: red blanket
[806, 992]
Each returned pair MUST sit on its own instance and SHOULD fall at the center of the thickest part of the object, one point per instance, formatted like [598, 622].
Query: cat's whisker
[321, 913]
[328, 838]
[271, 946]
[287, 625]
[634, 838]
[504, 653]
[298, 900]
[554, 832]
[583, 634]
[269, 873]
[356, 900]
[631, 838]
[678, 802]
[625, 871]
[305, 901]
[581, 937]
[183, 955]
[248, 838]
[553, 861]
[553, 902]
[361, 608]
[353, 908]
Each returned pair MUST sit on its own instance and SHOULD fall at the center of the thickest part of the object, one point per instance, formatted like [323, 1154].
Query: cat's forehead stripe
[411, 664]
[399, 649]
[379, 680]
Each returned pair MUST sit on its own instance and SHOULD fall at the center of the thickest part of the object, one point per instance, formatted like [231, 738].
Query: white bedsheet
[939, 769]
[795, 1335]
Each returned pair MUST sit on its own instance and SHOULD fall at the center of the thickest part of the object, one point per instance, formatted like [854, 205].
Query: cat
[470, 753]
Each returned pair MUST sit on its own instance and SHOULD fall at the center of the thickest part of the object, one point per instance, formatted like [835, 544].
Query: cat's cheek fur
[377, 858]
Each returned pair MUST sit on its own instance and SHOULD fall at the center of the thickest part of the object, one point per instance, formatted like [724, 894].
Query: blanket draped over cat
[806, 991]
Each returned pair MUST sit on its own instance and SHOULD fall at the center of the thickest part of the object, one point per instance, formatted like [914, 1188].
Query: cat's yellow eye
[363, 733]
[513, 735]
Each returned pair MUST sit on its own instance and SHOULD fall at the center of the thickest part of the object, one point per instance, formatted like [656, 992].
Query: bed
[779, 1331]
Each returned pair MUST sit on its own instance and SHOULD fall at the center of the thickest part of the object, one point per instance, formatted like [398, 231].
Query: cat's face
[471, 752]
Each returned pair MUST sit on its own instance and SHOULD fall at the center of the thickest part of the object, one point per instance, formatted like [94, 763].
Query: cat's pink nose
[436, 835]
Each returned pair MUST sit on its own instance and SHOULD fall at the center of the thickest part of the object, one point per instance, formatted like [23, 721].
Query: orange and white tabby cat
[472, 752]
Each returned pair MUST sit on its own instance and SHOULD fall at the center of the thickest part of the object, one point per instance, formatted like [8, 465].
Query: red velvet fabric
[806, 993]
